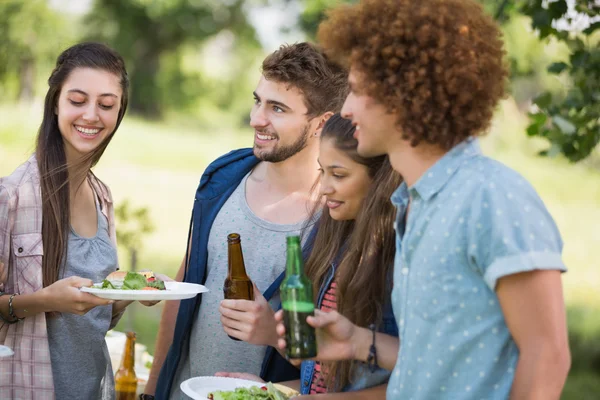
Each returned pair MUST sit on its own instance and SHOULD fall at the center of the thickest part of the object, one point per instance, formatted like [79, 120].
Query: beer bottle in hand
[297, 302]
[237, 284]
[125, 379]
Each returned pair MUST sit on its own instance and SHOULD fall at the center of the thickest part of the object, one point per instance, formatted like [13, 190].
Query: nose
[258, 119]
[346, 111]
[91, 113]
[326, 187]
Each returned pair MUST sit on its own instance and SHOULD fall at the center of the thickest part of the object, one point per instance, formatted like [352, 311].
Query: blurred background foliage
[193, 65]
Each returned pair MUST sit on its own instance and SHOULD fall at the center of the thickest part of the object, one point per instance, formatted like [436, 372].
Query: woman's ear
[322, 120]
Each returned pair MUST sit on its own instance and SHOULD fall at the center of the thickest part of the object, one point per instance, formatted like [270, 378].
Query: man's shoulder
[235, 159]
[234, 155]
[225, 171]
[489, 175]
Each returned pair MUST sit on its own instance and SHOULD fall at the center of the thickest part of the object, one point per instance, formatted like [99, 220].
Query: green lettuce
[107, 285]
[251, 393]
[158, 284]
[134, 281]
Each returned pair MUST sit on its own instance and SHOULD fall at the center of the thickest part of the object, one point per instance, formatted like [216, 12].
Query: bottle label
[298, 306]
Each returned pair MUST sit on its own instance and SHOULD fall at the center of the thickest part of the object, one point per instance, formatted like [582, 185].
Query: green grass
[158, 166]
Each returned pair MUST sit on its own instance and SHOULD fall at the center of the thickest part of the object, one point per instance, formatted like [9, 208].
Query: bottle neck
[237, 269]
[129, 356]
[294, 264]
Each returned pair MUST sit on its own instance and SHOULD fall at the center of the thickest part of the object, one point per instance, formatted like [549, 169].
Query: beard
[279, 154]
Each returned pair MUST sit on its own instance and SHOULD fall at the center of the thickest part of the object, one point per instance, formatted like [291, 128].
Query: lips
[333, 204]
[87, 132]
[264, 136]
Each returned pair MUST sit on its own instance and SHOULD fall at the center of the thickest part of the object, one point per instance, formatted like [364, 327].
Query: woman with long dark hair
[352, 254]
[57, 234]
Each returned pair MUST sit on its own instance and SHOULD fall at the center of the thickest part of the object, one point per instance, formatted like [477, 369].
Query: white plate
[174, 291]
[198, 388]
[5, 351]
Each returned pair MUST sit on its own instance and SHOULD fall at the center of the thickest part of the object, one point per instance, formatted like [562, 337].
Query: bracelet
[11, 312]
[372, 359]
[2, 318]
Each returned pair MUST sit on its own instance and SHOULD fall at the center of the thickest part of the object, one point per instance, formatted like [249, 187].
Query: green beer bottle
[297, 302]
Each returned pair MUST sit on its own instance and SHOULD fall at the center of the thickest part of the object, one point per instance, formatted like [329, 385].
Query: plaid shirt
[28, 374]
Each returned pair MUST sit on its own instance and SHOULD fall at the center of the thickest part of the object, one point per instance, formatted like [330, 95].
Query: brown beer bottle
[237, 284]
[125, 379]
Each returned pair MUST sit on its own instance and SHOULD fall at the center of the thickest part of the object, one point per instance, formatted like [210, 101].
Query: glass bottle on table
[297, 303]
[125, 378]
[237, 284]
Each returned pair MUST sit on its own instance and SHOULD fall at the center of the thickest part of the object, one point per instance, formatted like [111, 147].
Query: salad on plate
[265, 392]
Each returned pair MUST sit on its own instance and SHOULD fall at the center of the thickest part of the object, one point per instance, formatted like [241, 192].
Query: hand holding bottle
[250, 321]
[336, 335]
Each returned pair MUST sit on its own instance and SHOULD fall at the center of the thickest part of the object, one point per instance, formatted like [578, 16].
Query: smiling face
[344, 182]
[87, 110]
[281, 127]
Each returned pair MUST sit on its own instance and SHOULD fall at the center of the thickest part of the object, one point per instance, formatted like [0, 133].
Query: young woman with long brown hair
[352, 255]
[57, 234]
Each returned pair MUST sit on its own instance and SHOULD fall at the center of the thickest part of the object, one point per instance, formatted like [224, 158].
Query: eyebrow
[273, 102]
[334, 166]
[85, 94]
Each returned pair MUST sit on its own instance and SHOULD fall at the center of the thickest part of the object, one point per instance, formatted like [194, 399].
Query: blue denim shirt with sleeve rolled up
[472, 221]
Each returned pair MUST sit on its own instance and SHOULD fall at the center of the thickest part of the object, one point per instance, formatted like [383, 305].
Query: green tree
[31, 33]
[569, 120]
[133, 224]
[145, 31]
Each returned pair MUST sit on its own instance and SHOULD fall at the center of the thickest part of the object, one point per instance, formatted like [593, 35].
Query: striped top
[320, 376]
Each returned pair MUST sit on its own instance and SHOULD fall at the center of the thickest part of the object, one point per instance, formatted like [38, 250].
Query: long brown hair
[363, 276]
[50, 151]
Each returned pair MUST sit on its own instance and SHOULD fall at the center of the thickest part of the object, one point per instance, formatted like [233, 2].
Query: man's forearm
[540, 374]
[163, 342]
[292, 384]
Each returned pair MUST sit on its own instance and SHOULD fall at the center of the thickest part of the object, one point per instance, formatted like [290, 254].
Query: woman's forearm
[387, 347]
[24, 305]
[376, 392]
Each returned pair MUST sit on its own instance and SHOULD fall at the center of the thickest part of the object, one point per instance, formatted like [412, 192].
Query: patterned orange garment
[320, 375]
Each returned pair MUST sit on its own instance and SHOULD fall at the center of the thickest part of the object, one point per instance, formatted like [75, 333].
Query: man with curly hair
[477, 278]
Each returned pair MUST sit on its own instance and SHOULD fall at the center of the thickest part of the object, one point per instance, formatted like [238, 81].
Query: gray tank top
[81, 365]
[209, 349]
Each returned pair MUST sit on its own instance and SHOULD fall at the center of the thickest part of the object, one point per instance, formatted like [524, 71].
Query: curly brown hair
[323, 83]
[437, 64]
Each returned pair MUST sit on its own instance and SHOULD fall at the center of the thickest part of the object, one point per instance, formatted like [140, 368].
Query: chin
[368, 152]
[339, 216]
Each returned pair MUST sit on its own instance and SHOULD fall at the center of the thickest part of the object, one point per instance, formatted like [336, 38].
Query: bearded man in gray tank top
[266, 195]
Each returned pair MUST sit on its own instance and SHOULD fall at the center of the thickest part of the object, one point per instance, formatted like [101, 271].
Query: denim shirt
[472, 221]
[363, 377]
